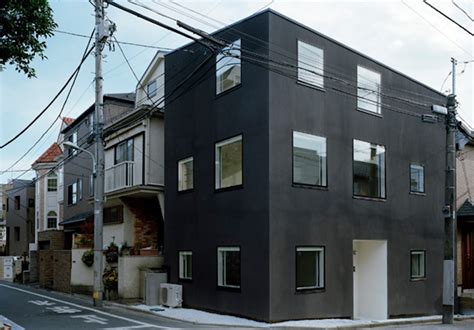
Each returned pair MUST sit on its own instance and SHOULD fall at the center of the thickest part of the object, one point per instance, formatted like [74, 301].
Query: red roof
[50, 155]
[68, 121]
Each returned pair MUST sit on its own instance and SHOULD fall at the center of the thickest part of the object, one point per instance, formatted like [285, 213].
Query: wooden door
[468, 257]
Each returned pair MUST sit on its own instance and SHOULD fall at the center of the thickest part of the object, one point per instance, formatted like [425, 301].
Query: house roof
[467, 209]
[50, 155]
[77, 218]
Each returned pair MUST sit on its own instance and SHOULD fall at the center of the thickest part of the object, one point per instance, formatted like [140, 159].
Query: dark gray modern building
[78, 179]
[301, 181]
[20, 215]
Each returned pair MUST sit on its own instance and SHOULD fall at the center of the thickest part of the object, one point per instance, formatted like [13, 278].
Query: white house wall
[156, 71]
[155, 163]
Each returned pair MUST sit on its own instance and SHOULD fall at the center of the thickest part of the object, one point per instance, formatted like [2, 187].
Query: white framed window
[229, 162]
[52, 220]
[72, 194]
[73, 139]
[309, 267]
[228, 67]
[123, 152]
[186, 174]
[79, 188]
[369, 90]
[52, 182]
[228, 266]
[417, 264]
[310, 64]
[151, 88]
[309, 159]
[369, 169]
[185, 265]
[417, 178]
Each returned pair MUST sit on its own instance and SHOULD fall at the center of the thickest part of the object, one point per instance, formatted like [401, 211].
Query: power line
[448, 17]
[462, 9]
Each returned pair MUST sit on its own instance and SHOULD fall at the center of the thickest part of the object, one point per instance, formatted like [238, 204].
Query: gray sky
[405, 35]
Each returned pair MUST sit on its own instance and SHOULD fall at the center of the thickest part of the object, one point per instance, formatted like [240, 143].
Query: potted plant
[88, 257]
[111, 254]
[110, 280]
[125, 249]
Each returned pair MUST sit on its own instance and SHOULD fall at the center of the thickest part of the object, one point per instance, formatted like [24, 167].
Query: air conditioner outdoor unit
[171, 295]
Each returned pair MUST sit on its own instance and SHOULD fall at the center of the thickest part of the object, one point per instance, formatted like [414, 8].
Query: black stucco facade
[268, 217]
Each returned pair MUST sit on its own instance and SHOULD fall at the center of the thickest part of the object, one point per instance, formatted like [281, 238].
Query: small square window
[228, 267]
[185, 174]
[417, 264]
[309, 159]
[228, 67]
[368, 90]
[185, 265]
[309, 268]
[417, 178]
[229, 163]
[310, 64]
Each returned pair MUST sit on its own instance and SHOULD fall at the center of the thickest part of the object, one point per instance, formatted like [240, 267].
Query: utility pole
[100, 37]
[449, 271]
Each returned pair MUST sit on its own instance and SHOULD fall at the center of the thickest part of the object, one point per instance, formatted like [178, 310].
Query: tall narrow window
[309, 268]
[185, 174]
[369, 169]
[72, 194]
[417, 264]
[73, 139]
[309, 159]
[52, 182]
[368, 90]
[17, 202]
[228, 67]
[310, 64]
[228, 267]
[17, 233]
[417, 178]
[185, 265]
[151, 88]
[124, 151]
[52, 220]
[79, 188]
[229, 162]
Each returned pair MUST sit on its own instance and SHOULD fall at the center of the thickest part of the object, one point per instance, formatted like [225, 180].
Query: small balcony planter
[111, 254]
[88, 258]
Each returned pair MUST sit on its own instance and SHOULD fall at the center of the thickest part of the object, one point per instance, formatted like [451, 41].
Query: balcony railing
[119, 176]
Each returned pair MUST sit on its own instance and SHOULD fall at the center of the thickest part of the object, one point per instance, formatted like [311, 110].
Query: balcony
[119, 176]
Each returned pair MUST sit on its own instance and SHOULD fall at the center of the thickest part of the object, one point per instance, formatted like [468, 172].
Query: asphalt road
[32, 308]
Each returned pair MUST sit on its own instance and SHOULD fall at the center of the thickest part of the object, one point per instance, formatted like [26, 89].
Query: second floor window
[229, 162]
[310, 64]
[369, 169]
[368, 90]
[185, 174]
[52, 220]
[79, 189]
[52, 182]
[72, 194]
[124, 151]
[309, 159]
[417, 178]
[228, 67]
[73, 139]
[17, 202]
[151, 88]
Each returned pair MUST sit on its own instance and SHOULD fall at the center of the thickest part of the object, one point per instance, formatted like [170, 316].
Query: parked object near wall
[6, 268]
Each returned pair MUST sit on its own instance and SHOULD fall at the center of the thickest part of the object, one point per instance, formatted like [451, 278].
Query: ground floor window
[418, 264]
[228, 266]
[309, 267]
[185, 265]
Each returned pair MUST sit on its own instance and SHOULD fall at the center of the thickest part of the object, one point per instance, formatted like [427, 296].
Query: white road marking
[91, 318]
[123, 328]
[84, 307]
[64, 310]
[41, 302]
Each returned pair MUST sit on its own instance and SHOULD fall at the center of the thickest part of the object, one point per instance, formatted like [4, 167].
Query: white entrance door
[370, 279]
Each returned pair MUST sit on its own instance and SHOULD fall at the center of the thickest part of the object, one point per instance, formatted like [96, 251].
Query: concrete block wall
[129, 274]
[33, 266]
[62, 270]
[46, 268]
[55, 238]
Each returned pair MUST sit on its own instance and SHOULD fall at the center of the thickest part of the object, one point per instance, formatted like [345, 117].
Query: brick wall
[148, 226]
[62, 270]
[33, 266]
[55, 238]
[46, 268]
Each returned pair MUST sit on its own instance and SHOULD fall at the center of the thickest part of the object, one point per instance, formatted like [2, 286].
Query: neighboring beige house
[134, 180]
[465, 212]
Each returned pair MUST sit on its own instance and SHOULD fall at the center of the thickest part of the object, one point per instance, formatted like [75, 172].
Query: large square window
[369, 169]
[309, 268]
[124, 151]
[417, 264]
[309, 159]
[185, 174]
[228, 267]
[368, 90]
[228, 67]
[229, 162]
[417, 178]
[310, 64]
[185, 265]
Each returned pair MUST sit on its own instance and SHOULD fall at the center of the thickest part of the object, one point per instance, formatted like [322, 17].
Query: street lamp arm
[75, 146]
